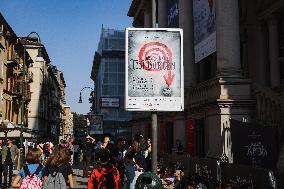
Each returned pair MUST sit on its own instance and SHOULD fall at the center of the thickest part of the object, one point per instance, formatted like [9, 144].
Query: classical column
[228, 38]
[147, 16]
[162, 13]
[186, 23]
[262, 60]
[274, 52]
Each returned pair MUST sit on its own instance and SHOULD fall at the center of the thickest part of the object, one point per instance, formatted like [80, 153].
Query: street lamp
[39, 57]
[92, 93]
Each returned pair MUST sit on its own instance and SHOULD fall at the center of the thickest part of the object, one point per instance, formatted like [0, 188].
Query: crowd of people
[106, 163]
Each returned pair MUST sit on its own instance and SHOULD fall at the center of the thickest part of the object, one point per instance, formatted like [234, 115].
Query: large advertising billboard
[204, 18]
[154, 69]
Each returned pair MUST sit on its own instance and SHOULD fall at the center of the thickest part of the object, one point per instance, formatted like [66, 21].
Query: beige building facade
[43, 88]
[68, 123]
[13, 58]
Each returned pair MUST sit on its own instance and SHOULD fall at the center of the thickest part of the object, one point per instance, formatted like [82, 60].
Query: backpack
[104, 181]
[55, 180]
[31, 181]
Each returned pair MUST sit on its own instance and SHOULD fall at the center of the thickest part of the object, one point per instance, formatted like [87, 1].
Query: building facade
[29, 84]
[108, 74]
[242, 80]
[37, 118]
[13, 59]
[68, 123]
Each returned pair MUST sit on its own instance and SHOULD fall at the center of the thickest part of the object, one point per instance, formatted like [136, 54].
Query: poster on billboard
[204, 18]
[96, 123]
[154, 69]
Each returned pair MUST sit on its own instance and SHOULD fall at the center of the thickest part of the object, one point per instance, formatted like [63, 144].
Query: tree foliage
[79, 120]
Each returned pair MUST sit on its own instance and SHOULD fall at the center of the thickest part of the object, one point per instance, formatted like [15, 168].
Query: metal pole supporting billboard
[154, 114]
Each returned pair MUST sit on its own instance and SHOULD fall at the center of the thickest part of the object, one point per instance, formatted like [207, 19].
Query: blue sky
[70, 31]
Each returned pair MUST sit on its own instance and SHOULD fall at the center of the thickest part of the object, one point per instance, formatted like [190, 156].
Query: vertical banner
[96, 123]
[154, 70]
[173, 13]
[204, 18]
[190, 137]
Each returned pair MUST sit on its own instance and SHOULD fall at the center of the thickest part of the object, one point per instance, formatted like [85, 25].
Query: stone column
[186, 23]
[228, 38]
[274, 52]
[261, 67]
[147, 16]
[162, 13]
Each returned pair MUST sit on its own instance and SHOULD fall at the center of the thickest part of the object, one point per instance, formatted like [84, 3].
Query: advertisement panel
[154, 70]
[204, 18]
[257, 147]
[109, 102]
[96, 123]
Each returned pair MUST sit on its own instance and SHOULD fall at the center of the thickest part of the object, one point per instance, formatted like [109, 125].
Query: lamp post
[23, 87]
[92, 96]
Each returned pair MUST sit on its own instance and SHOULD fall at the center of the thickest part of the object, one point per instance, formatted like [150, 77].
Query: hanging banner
[204, 18]
[96, 123]
[154, 70]
[190, 137]
[173, 13]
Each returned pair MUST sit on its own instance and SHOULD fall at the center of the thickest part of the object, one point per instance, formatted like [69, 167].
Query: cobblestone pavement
[79, 181]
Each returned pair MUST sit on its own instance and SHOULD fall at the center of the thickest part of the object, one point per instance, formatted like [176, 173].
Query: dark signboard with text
[254, 145]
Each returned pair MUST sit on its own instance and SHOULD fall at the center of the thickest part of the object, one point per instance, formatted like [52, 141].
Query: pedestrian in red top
[105, 175]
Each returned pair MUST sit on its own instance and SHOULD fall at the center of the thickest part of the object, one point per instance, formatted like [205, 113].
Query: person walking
[76, 153]
[58, 168]
[105, 175]
[32, 172]
[134, 164]
[88, 152]
[1, 164]
[9, 156]
[117, 159]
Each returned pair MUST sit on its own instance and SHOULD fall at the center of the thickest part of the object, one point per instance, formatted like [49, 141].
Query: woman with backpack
[58, 172]
[32, 172]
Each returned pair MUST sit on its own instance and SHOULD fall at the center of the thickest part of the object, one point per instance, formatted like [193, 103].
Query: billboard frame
[181, 107]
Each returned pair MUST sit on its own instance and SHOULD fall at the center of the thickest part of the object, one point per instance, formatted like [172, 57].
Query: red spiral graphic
[154, 52]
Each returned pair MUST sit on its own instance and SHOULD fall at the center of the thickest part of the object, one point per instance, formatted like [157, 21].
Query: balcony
[13, 61]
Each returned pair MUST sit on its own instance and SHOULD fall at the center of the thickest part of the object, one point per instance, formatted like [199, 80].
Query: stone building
[241, 80]
[68, 123]
[13, 58]
[42, 87]
[37, 112]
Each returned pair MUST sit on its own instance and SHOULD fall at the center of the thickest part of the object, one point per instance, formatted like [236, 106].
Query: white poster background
[148, 90]
[204, 17]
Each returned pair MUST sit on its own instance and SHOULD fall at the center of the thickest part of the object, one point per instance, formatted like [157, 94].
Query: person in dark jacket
[9, 156]
[280, 168]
